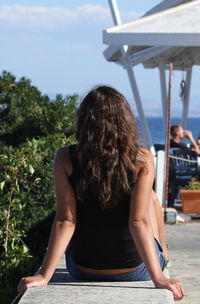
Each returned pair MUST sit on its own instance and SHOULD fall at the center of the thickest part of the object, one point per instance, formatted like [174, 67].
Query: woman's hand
[33, 281]
[174, 286]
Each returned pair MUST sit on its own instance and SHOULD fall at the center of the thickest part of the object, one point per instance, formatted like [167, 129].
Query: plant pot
[190, 201]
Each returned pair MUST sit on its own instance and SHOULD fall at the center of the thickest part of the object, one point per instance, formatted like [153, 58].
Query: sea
[156, 128]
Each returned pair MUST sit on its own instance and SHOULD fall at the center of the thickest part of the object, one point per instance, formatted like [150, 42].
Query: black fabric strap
[74, 160]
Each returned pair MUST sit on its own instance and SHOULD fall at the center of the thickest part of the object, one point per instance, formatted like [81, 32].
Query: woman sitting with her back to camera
[107, 216]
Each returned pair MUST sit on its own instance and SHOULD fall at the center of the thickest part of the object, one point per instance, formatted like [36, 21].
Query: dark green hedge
[32, 128]
[27, 201]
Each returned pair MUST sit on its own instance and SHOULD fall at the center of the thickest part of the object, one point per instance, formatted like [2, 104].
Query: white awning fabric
[170, 31]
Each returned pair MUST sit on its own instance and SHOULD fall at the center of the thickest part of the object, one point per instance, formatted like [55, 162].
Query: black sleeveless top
[102, 239]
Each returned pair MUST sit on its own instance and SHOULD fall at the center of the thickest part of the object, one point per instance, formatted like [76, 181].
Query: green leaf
[13, 244]
[31, 169]
[7, 176]
[2, 185]
[37, 180]
[25, 249]
[16, 185]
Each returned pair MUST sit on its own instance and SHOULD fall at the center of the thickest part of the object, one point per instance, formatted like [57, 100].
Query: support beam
[146, 54]
[186, 99]
[115, 12]
[159, 181]
[163, 95]
[147, 136]
[127, 64]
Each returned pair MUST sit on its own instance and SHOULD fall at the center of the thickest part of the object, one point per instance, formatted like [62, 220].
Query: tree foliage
[26, 113]
[27, 198]
[32, 128]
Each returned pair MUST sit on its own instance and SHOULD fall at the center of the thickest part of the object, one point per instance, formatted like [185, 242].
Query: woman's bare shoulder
[144, 155]
[144, 159]
[62, 159]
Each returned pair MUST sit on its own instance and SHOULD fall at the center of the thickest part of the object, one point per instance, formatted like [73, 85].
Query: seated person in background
[198, 141]
[178, 134]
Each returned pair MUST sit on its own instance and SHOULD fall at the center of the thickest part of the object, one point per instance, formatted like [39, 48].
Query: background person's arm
[141, 228]
[188, 135]
[63, 226]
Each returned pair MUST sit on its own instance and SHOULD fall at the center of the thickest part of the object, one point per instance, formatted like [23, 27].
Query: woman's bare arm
[141, 228]
[63, 226]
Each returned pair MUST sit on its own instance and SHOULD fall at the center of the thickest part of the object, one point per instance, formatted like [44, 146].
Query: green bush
[27, 199]
[193, 185]
[32, 128]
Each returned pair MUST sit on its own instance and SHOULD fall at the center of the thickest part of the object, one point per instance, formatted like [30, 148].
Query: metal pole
[186, 99]
[127, 63]
[167, 142]
[137, 98]
[163, 94]
[115, 12]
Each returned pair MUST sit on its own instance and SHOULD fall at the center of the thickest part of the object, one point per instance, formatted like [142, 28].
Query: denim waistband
[138, 274]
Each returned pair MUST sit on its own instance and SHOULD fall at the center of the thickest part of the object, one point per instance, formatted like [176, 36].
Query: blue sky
[58, 45]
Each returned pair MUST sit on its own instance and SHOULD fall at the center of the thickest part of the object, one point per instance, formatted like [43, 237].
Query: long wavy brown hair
[107, 136]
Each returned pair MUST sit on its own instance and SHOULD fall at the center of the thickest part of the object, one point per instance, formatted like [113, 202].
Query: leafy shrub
[27, 199]
[32, 128]
[193, 185]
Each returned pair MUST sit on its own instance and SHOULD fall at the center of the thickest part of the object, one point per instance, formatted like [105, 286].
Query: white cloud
[53, 17]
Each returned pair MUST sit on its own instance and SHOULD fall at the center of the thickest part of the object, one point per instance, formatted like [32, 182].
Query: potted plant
[190, 197]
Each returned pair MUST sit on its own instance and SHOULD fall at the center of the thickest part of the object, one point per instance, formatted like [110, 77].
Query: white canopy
[177, 26]
[172, 34]
[168, 33]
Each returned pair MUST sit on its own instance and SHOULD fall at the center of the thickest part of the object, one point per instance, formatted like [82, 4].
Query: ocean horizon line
[173, 117]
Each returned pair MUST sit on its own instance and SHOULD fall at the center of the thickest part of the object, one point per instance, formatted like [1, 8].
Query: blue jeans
[138, 274]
